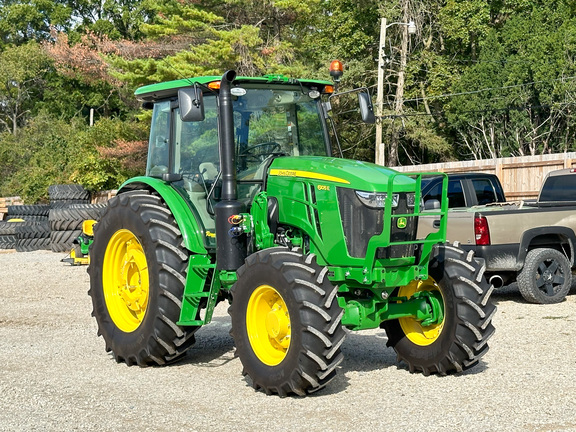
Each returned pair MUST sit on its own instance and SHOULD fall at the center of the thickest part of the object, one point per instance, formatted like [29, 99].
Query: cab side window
[455, 194]
[484, 191]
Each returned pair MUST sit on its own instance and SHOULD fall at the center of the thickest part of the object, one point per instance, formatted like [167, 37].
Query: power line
[488, 89]
[504, 109]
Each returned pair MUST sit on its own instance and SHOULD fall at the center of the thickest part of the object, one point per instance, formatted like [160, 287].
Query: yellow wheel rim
[268, 325]
[125, 280]
[412, 328]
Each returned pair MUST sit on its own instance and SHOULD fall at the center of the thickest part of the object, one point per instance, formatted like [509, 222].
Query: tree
[523, 75]
[21, 78]
[30, 20]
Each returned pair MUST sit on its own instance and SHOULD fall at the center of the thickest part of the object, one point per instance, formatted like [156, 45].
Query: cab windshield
[268, 123]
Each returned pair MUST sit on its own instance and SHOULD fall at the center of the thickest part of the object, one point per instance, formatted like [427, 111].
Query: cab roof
[166, 89]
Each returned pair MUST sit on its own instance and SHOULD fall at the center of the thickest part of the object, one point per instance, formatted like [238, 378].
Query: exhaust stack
[231, 249]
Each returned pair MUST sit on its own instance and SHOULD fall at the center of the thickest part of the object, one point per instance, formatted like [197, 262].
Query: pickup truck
[531, 243]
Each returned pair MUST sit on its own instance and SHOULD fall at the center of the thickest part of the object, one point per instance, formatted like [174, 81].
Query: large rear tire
[460, 339]
[286, 322]
[137, 276]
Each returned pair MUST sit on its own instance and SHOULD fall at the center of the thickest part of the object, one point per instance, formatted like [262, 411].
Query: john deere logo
[401, 222]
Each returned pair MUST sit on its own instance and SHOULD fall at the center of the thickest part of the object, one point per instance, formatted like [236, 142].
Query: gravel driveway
[56, 376]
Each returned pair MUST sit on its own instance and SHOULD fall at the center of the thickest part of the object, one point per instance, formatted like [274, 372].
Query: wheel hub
[130, 288]
[268, 325]
[277, 323]
[125, 280]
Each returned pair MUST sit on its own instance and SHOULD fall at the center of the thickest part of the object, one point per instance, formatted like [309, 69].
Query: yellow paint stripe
[306, 174]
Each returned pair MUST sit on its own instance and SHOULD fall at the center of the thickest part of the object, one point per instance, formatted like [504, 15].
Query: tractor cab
[273, 117]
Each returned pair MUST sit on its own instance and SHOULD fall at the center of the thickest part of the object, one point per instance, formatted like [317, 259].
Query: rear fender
[552, 236]
[191, 231]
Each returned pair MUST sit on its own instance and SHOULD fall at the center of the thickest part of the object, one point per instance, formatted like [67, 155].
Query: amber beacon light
[336, 70]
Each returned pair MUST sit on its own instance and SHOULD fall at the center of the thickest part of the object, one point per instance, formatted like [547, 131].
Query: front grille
[361, 223]
[401, 232]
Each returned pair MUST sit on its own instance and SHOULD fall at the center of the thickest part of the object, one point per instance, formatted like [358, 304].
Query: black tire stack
[26, 229]
[65, 225]
[50, 227]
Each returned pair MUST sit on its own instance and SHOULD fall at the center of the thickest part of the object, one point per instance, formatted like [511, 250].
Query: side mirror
[366, 108]
[432, 204]
[191, 103]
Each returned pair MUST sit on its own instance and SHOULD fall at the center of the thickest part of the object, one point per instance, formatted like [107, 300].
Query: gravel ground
[56, 376]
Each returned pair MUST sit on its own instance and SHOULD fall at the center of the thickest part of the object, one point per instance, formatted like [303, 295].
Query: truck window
[559, 188]
[484, 191]
[455, 194]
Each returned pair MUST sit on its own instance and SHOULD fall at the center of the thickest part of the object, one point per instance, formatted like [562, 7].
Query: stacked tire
[31, 236]
[27, 228]
[66, 223]
[8, 235]
[65, 195]
[64, 228]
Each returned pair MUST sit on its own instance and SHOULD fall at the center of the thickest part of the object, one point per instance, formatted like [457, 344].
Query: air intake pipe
[230, 247]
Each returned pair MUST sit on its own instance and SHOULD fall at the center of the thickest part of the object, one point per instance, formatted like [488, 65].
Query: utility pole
[399, 101]
[380, 147]
[380, 158]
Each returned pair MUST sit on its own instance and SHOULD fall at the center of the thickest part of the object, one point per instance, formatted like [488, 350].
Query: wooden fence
[521, 177]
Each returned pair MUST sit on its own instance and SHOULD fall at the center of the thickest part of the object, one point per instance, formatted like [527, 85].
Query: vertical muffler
[230, 248]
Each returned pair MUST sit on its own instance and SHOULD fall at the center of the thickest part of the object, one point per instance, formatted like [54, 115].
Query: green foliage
[94, 170]
[52, 151]
[36, 156]
[22, 73]
[25, 21]
[483, 79]
[525, 73]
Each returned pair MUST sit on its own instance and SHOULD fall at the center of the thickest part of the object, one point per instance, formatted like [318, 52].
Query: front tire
[137, 274]
[546, 276]
[286, 322]
[460, 339]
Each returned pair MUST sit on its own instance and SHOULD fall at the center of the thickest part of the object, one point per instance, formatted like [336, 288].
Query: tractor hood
[341, 172]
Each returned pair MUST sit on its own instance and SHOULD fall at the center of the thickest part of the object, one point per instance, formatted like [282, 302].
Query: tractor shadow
[367, 352]
[364, 352]
[214, 346]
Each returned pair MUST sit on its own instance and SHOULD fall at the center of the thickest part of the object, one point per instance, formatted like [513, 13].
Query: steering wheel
[259, 152]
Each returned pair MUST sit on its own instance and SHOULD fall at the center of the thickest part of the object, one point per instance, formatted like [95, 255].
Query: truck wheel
[546, 276]
[286, 322]
[137, 274]
[460, 339]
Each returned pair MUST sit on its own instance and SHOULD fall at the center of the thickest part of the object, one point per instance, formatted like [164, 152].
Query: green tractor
[244, 201]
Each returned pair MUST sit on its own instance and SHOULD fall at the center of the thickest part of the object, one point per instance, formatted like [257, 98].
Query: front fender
[191, 231]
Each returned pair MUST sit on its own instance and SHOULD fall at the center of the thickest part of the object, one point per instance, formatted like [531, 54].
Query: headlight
[411, 200]
[376, 199]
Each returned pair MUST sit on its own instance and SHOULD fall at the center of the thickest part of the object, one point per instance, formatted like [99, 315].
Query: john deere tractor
[244, 202]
